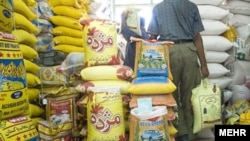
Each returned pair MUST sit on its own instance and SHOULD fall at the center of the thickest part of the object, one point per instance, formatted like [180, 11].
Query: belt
[181, 41]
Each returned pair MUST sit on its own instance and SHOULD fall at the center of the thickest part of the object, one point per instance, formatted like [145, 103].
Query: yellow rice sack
[73, 3]
[32, 80]
[106, 72]
[151, 85]
[35, 121]
[28, 52]
[68, 11]
[31, 67]
[124, 85]
[21, 8]
[152, 59]
[66, 31]
[51, 76]
[24, 37]
[6, 16]
[33, 94]
[30, 3]
[21, 22]
[19, 128]
[68, 40]
[105, 114]
[100, 42]
[35, 110]
[67, 48]
[59, 20]
[13, 82]
[50, 132]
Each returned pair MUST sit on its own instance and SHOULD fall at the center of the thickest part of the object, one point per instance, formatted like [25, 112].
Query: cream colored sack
[206, 101]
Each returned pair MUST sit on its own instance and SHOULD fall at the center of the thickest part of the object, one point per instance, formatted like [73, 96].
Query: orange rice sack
[106, 72]
[151, 85]
[152, 59]
[158, 99]
[100, 42]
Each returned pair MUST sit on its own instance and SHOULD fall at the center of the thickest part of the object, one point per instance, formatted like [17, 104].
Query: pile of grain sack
[226, 40]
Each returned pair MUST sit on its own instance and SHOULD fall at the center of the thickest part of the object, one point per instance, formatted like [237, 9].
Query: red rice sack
[100, 42]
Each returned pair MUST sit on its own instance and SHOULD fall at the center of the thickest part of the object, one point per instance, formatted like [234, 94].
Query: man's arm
[201, 54]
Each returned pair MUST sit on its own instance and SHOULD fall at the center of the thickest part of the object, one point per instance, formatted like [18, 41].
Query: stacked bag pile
[237, 110]
[239, 10]
[217, 48]
[152, 104]
[104, 82]
[25, 32]
[67, 29]
[15, 111]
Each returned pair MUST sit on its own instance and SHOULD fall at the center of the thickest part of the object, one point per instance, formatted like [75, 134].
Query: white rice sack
[243, 32]
[223, 81]
[209, 2]
[238, 20]
[240, 92]
[215, 12]
[216, 43]
[213, 27]
[238, 7]
[227, 94]
[217, 70]
[216, 56]
[239, 69]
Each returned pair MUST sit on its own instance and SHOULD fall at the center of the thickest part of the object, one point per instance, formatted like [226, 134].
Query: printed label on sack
[12, 69]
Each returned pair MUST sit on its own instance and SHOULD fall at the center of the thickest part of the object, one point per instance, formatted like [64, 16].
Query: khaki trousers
[186, 76]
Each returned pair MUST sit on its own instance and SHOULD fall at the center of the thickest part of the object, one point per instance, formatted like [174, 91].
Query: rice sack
[142, 125]
[106, 72]
[152, 59]
[6, 16]
[151, 85]
[100, 42]
[105, 114]
[18, 128]
[124, 85]
[13, 82]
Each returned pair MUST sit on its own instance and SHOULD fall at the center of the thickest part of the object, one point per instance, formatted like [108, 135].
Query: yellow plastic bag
[206, 101]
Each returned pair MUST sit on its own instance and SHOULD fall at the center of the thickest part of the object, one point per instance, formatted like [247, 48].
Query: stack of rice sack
[218, 40]
[25, 33]
[152, 102]
[14, 101]
[240, 19]
[104, 82]
[67, 29]
[44, 36]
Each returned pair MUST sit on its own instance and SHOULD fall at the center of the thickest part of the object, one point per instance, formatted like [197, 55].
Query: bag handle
[205, 83]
